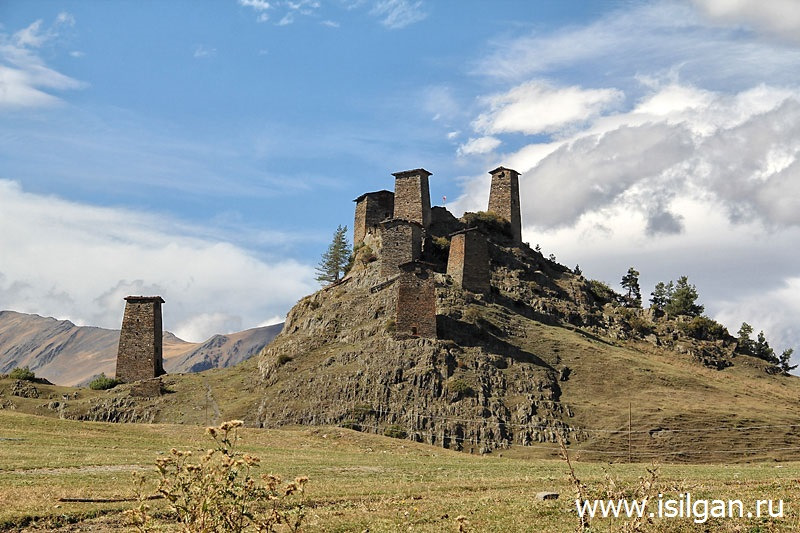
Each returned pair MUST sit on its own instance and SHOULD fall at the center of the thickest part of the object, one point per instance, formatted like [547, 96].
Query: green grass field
[358, 482]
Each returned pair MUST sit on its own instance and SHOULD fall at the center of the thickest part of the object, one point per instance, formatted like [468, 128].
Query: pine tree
[744, 340]
[333, 264]
[762, 350]
[578, 271]
[661, 295]
[630, 281]
[683, 298]
[785, 359]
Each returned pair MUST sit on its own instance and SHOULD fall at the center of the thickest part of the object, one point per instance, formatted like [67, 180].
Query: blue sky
[206, 151]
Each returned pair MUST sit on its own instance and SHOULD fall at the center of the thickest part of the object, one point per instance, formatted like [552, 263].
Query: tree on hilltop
[683, 299]
[335, 260]
[630, 282]
[661, 295]
[745, 343]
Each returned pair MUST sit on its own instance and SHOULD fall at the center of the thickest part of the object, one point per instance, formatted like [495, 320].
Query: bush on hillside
[102, 382]
[23, 373]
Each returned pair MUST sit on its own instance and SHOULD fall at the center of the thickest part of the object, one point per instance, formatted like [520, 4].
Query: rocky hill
[63, 353]
[544, 355]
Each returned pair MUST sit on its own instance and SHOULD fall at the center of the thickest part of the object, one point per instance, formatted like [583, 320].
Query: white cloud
[202, 52]
[330, 23]
[25, 80]
[539, 107]
[95, 256]
[781, 17]
[481, 145]
[397, 14]
[258, 5]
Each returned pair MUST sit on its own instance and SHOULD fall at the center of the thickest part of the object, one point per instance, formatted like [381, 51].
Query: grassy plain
[358, 482]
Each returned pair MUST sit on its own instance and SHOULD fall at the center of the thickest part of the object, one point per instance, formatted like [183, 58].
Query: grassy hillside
[357, 481]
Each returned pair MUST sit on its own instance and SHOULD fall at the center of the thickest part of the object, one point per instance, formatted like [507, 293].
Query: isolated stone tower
[402, 242]
[468, 262]
[504, 199]
[412, 198]
[140, 341]
[416, 301]
[372, 208]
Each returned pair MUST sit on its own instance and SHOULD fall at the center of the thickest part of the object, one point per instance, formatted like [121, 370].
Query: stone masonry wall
[140, 353]
[412, 199]
[372, 208]
[416, 302]
[504, 199]
[468, 261]
[402, 242]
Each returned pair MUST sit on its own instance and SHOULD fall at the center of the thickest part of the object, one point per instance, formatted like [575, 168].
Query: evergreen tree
[683, 299]
[745, 342]
[762, 350]
[630, 281]
[578, 271]
[333, 264]
[661, 295]
[785, 359]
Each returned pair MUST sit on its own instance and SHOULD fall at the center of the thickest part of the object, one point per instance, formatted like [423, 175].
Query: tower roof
[415, 172]
[144, 299]
[501, 168]
[374, 193]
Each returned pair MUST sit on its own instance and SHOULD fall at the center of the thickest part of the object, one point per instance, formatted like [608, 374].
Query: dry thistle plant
[219, 491]
[580, 487]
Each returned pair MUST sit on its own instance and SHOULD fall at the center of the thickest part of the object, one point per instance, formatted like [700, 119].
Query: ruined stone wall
[504, 199]
[416, 302]
[402, 242]
[412, 198]
[468, 262]
[372, 208]
[140, 353]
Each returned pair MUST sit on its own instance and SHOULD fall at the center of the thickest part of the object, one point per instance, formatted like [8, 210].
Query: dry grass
[357, 481]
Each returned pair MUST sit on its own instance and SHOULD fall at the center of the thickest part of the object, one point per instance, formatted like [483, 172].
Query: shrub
[395, 431]
[460, 387]
[23, 373]
[102, 382]
[601, 291]
[219, 491]
[488, 222]
[283, 359]
[703, 328]
[390, 326]
[441, 242]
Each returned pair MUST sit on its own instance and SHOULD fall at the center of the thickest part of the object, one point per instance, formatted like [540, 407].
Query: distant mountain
[67, 354]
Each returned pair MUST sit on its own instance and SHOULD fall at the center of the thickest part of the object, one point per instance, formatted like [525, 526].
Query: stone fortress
[397, 227]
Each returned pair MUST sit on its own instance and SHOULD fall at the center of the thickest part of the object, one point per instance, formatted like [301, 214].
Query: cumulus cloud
[25, 80]
[539, 107]
[480, 145]
[210, 286]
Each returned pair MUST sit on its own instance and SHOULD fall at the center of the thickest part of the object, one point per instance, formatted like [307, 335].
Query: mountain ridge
[67, 354]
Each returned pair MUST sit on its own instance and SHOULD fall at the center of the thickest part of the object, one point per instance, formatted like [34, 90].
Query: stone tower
[402, 242]
[416, 301]
[468, 262]
[504, 199]
[140, 341]
[412, 198]
[372, 208]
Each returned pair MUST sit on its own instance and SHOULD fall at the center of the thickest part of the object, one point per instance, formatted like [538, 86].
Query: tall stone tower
[140, 341]
[468, 262]
[504, 199]
[402, 242]
[416, 301]
[412, 197]
[372, 208]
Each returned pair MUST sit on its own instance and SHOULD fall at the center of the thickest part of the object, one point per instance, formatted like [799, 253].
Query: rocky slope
[64, 353]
